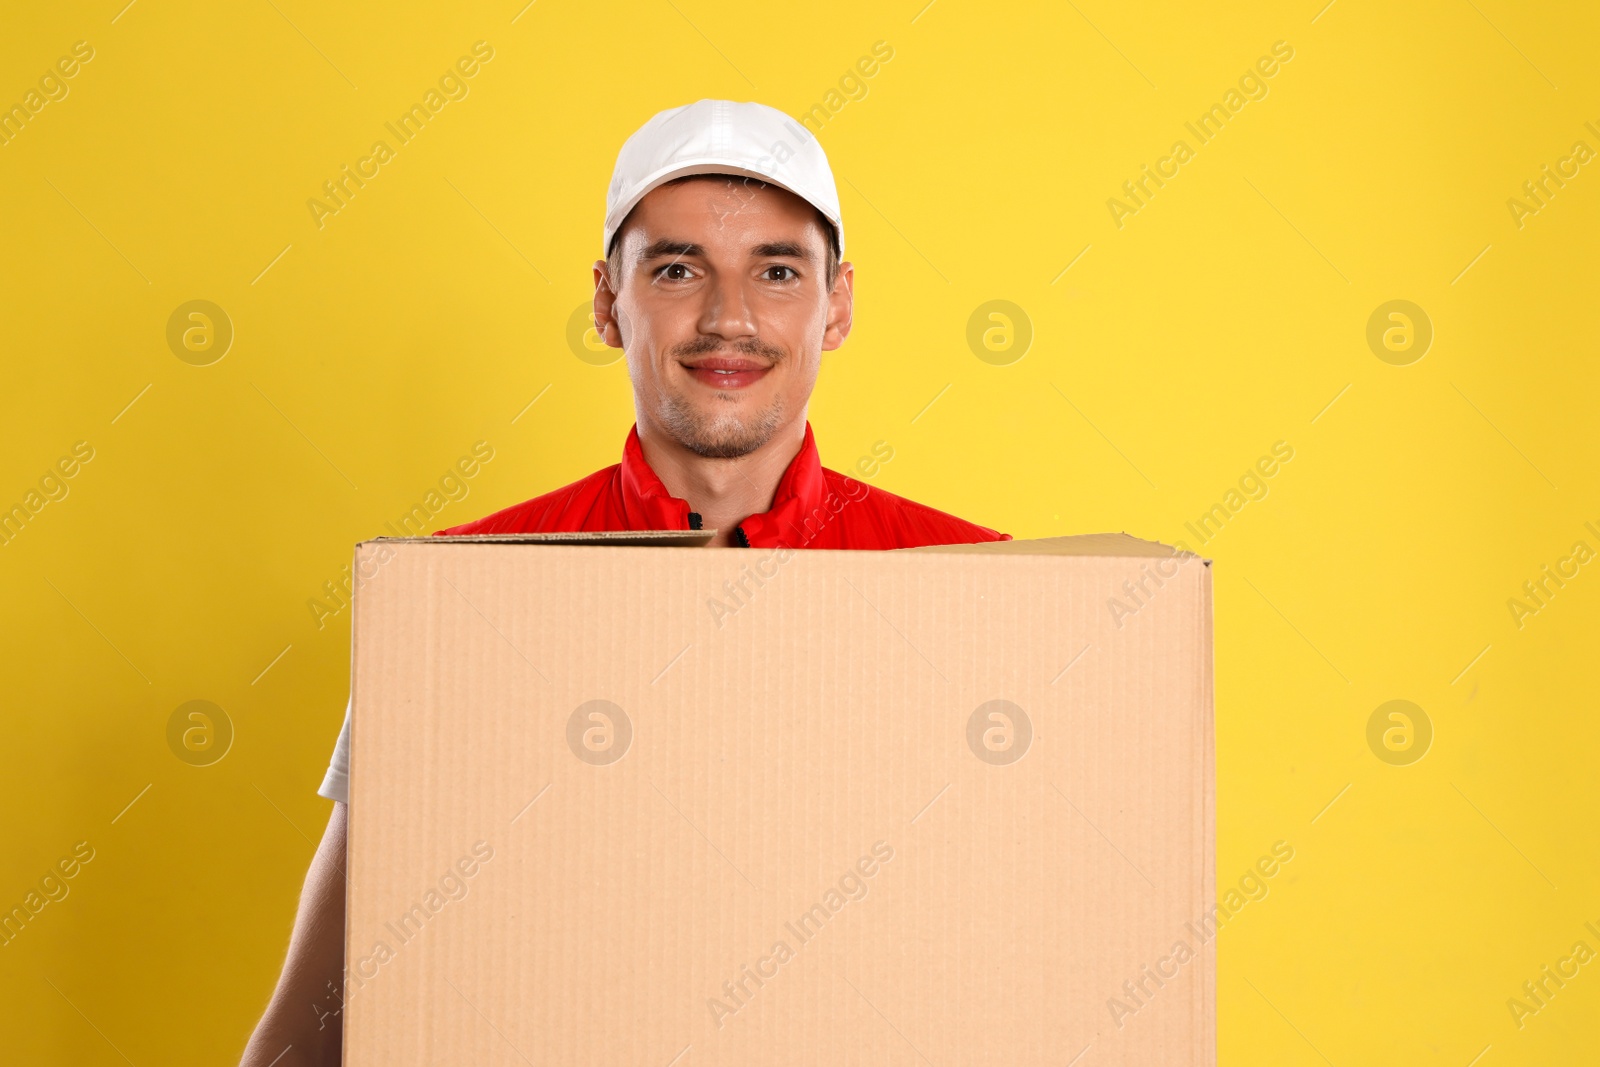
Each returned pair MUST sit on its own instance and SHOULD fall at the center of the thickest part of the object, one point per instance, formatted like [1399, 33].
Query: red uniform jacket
[813, 508]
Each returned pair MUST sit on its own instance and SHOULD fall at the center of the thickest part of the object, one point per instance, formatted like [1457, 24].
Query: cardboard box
[630, 803]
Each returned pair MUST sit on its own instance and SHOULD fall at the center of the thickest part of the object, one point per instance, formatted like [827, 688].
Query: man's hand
[304, 1021]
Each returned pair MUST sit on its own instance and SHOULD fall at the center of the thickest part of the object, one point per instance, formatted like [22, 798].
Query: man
[723, 285]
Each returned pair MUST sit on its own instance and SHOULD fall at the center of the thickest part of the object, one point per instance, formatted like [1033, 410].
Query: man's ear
[605, 301]
[841, 308]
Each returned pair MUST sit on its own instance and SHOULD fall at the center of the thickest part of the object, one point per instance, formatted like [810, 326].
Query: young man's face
[722, 306]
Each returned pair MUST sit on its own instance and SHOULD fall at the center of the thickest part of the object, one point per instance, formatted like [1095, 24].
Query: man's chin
[724, 448]
[719, 434]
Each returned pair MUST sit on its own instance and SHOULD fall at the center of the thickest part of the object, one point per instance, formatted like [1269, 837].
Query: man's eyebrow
[666, 246]
[781, 248]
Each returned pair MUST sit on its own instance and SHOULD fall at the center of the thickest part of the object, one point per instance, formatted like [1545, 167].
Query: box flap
[1110, 545]
[1106, 545]
[656, 538]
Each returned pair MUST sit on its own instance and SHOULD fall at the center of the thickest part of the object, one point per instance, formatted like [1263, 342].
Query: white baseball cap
[722, 137]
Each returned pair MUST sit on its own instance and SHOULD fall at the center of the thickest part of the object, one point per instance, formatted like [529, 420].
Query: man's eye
[663, 272]
[790, 273]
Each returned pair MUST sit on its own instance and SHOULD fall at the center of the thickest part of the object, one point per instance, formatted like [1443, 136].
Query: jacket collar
[649, 506]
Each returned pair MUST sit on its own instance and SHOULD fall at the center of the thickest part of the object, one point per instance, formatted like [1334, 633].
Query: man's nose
[727, 312]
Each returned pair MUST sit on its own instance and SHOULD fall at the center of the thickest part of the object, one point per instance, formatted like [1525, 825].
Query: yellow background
[1223, 317]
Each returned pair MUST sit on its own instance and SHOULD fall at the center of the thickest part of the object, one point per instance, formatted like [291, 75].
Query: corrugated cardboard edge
[684, 538]
[349, 823]
[1120, 544]
[1116, 545]
[1208, 991]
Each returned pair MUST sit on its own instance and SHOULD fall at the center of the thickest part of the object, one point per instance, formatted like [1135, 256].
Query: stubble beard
[722, 434]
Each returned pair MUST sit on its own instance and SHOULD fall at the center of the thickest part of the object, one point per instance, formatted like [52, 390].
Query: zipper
[740, 539]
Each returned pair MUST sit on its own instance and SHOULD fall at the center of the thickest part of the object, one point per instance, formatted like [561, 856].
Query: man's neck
[724, 492]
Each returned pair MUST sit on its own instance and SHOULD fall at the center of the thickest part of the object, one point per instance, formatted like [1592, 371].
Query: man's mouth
[723, 372]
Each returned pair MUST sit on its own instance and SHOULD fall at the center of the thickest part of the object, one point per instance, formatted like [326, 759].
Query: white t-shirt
[336, 783]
